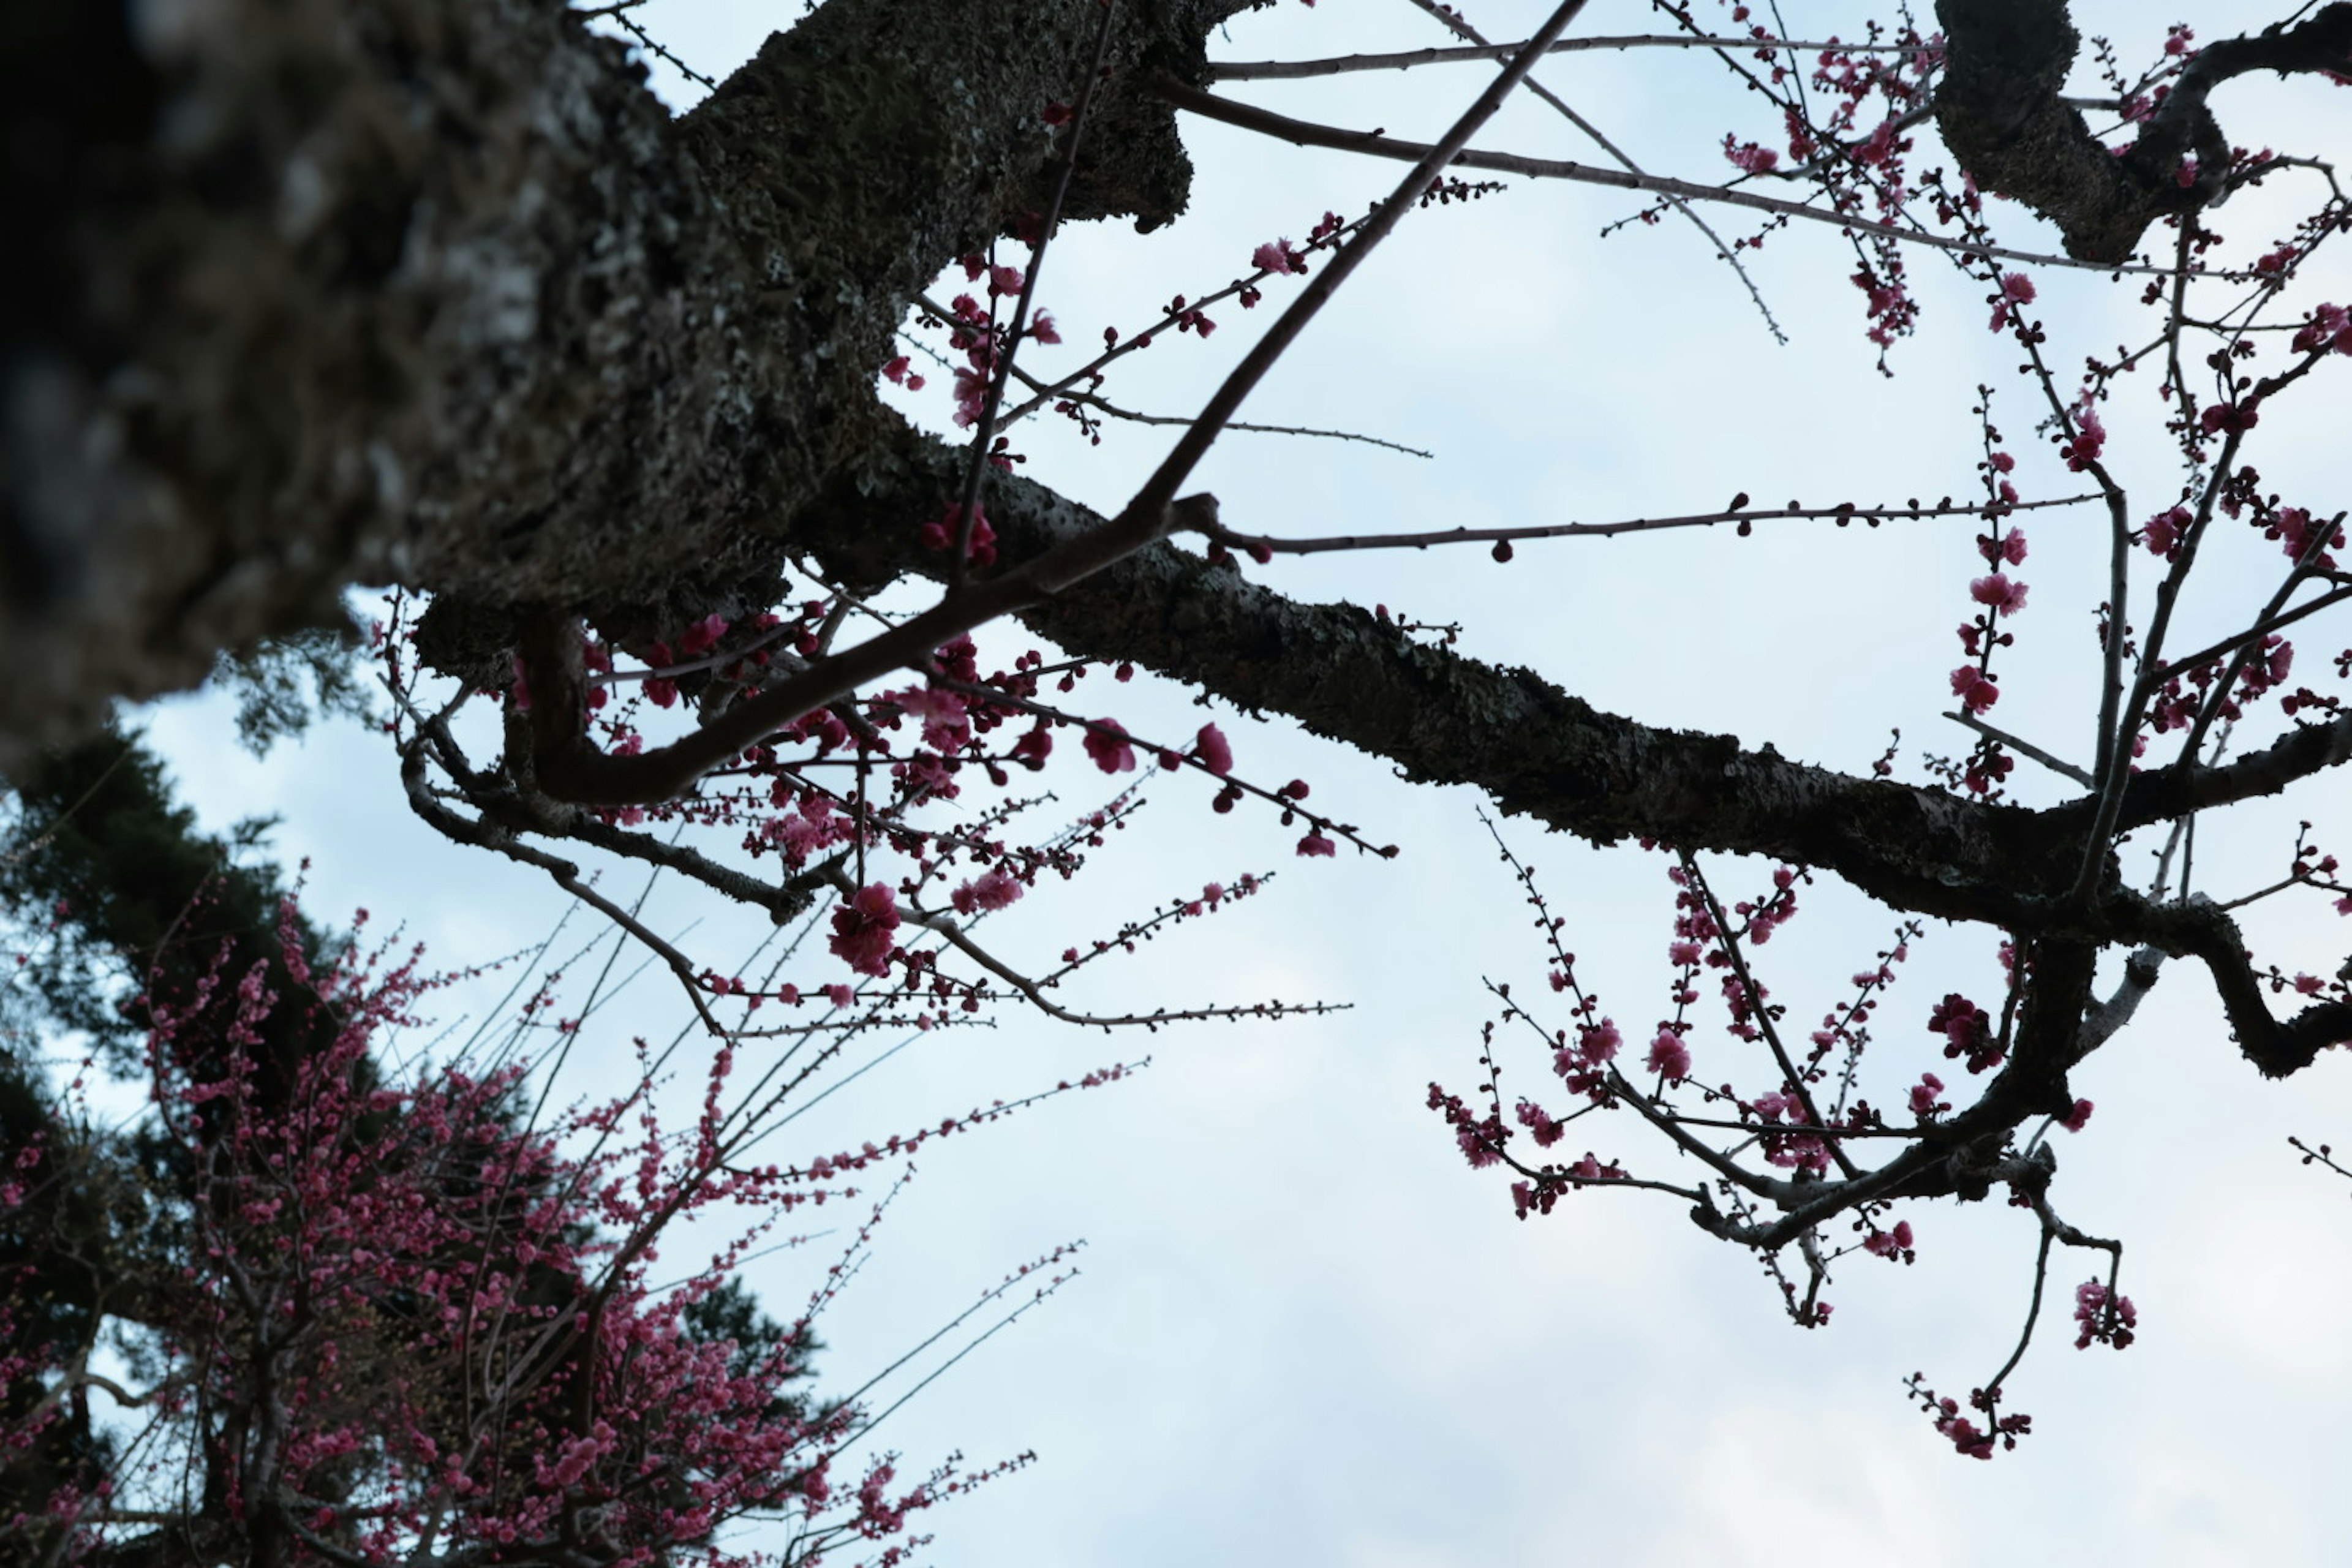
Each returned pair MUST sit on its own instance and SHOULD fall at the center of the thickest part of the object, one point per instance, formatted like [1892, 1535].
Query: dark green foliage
[54, 1247]
[112, 895]
[288, 683]
[118, 894]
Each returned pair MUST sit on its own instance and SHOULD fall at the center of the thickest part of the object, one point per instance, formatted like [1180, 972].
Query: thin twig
[2024, 748]
[1306, 133]
[1234, 539]
[1287, 70]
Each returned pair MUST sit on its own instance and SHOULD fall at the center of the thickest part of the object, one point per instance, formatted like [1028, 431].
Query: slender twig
[2023, 748]
[984, 429]
[1452, 20]
[1306, 133]
[1285, 70]
[1095, 400]
[1753, 995]
[2264, 625]
[1232, 538]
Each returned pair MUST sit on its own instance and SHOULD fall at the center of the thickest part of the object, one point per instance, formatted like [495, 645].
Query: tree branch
[2001, 114]
[1372, 143]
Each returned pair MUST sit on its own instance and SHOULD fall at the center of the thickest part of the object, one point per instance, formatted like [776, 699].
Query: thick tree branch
[435, 292]
[2001, 112]
[2199, 928]
[1443, 718]
[570, 768]
[2186, 787]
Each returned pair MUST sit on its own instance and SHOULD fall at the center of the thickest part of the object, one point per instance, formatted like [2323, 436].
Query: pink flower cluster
[864, 930]
[1924, 1103]
[942, 535]
[2330, 328]
[2102, 1316]
[2081, 448]
[2016, 288]
[1890, 1244]
[448, 1324]
[1968, 1031]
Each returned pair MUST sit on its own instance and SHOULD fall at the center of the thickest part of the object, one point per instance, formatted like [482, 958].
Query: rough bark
[435, 293]
[2000, 113]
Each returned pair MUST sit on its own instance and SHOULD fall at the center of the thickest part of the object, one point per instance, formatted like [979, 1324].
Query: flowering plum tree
[310, 1311]
[606, 385]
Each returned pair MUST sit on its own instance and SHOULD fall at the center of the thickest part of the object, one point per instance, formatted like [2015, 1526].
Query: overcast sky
[1305, 1332]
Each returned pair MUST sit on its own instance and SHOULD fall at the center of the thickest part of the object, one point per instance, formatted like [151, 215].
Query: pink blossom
[1998, 590]
[1996, 548]
[2074, 1120]
[2090, 437]
[1106, 742]
[1751, 158]
[1539, 1123]
[2231, 418]
[863, 930]
[972, 398]
[1924, 1103]
[2329, 324]
[1316, 843]
[2294, 528]
[946, 720]
[1889, 1242]
[2102, 1316]
[1032, 749]
[1006, 280]
[942, 535]
[1669, 1056]
[2163, 531]
[1976, 690]
[1215, 752]
[1967, 1029]
[1274, 255]
[2016, 288]
[1965, 1436]
[1042, 328]
[702, 636]
[993, 890]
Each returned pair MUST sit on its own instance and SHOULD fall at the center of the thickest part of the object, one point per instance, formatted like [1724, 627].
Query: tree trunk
[437, 293]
